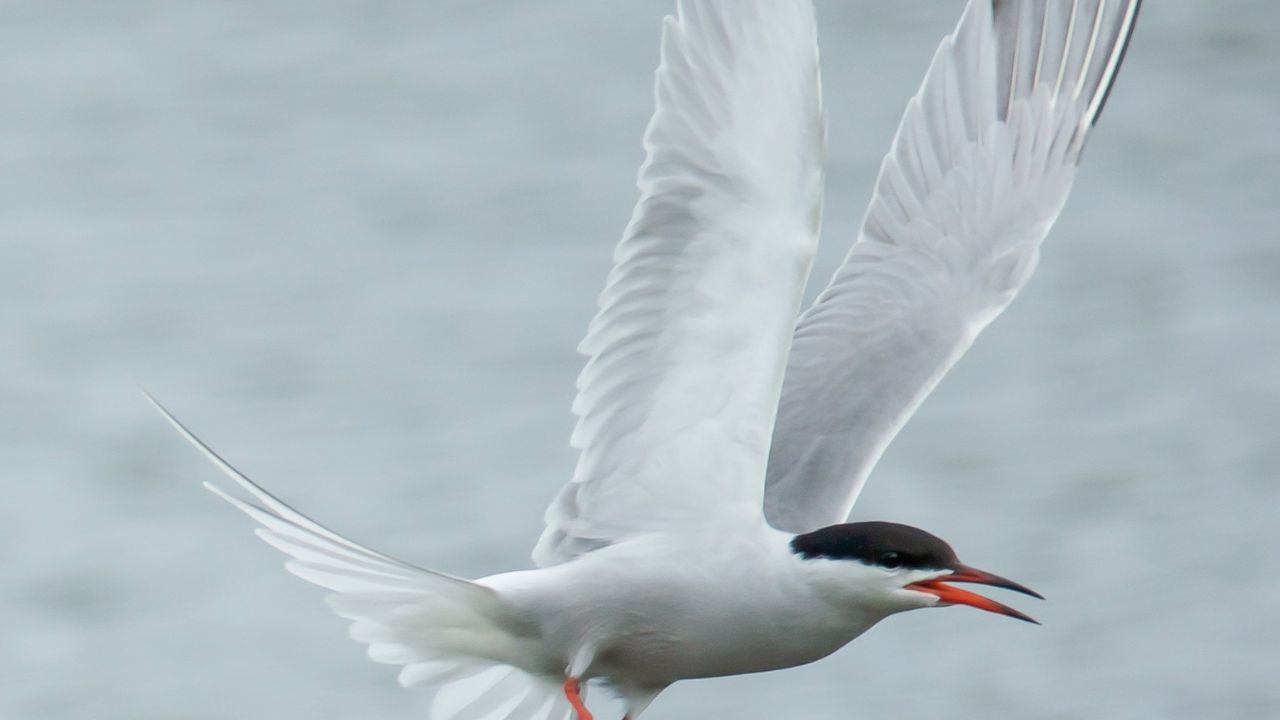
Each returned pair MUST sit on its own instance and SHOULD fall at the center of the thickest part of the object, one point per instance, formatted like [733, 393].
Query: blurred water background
[354, 245]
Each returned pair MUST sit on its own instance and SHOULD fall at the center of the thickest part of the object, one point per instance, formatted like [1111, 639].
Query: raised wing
[678, 398]
[979, 170]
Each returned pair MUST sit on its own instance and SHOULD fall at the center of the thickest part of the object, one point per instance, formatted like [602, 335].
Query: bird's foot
[573, 691]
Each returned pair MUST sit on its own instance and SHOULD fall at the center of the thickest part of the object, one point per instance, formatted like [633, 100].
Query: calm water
[355, 248]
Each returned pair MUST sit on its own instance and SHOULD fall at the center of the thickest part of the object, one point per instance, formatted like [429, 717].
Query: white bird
[723, 444]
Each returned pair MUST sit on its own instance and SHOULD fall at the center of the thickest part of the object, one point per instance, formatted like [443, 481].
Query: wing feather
[685, 357]
[980, 168]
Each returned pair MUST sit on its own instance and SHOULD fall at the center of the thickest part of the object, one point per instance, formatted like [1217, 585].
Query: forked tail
[447, 632]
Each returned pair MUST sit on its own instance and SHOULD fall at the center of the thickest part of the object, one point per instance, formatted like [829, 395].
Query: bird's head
[897, 567]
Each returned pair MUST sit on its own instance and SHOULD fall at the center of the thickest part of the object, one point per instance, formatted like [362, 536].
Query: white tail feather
[447, 632]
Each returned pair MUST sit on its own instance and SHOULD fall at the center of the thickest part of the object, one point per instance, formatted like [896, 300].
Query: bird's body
[724, 439]
[651, 611]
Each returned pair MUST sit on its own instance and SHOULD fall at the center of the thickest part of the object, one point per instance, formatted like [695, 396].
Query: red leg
[573, 691]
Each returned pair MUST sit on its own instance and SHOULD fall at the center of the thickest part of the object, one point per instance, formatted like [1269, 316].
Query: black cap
[883, 544]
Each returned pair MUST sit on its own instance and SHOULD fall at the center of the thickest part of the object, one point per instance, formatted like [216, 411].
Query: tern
[724, 435]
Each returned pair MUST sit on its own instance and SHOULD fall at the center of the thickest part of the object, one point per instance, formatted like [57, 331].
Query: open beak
[964, 574]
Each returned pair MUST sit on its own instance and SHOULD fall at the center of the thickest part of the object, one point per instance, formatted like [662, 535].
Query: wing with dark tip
[980, 168]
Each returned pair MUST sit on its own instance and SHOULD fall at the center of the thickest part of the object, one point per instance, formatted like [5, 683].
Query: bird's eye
[891, 560]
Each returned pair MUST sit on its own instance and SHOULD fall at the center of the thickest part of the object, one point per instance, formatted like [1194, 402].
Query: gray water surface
[354, 245]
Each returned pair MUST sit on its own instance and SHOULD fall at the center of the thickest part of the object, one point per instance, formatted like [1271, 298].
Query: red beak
[964, 574]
